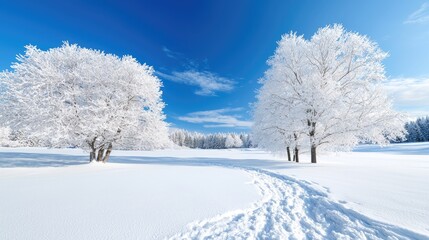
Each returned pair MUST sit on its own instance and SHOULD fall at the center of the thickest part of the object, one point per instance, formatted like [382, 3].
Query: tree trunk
[297, 155]
[288, 153]
[100, 155]
[93, 150]
[312, 133]
[92, 156]
[108, 151]
[313, 154]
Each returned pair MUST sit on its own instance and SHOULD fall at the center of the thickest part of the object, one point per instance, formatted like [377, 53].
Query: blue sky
[210, 54]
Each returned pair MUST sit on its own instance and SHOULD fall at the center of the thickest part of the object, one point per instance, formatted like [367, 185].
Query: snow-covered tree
[5, 137]
[238, 143]
[233, 141]
[328, 88]
[229, 141]
[73, 96]
[418, 130]
[245, 139]
[423, 124]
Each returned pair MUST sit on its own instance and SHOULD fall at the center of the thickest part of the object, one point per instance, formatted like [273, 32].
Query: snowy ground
[372, 192]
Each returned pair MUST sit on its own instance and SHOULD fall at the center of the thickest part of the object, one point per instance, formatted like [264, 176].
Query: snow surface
[373, 193]
[41, 198]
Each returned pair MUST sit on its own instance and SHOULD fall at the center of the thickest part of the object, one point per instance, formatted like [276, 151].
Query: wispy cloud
[171, 54]
[208, 83]
[225, 118]
[421, 15]
[182, 60]
[410, 95]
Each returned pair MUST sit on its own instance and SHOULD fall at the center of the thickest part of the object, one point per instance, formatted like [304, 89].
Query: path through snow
[290, 209]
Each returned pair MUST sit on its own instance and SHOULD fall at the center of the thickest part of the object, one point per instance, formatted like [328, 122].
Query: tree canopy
[74, 96]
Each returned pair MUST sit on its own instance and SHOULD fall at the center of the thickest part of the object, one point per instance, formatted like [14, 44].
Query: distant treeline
[185, 138]
[418, 131]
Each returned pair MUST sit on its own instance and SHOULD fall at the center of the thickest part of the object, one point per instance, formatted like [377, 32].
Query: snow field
[372, 193]
[115, 201]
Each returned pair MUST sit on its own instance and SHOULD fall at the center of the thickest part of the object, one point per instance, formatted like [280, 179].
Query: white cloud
[171, 54]
[208, 83]
[217, 118]
[409, 95]
[421, 15]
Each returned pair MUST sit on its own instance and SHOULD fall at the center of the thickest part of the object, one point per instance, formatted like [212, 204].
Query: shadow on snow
[421, 148]
[20, 159]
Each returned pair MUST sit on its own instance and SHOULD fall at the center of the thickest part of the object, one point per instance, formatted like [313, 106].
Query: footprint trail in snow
[290, 209]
